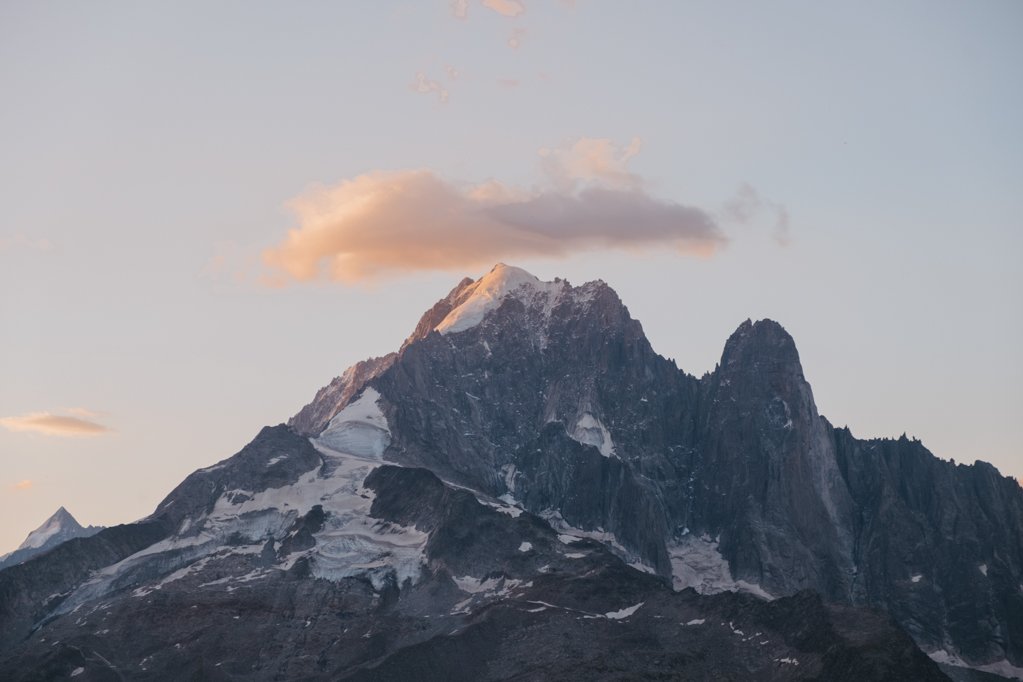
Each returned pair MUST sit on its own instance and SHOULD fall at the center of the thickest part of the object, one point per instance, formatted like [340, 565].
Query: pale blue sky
[148, 153]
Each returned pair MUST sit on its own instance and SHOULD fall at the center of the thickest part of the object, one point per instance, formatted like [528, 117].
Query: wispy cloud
[518, 34]
[22, 242]
[23, 485]
[384, 223]
[591, 159]
[459, 9]
[507, 8]
[747, 205]
[50, 424]
[84, 412]
[428, 86]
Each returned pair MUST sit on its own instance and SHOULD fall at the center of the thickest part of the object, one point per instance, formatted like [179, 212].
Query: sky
[208, 210]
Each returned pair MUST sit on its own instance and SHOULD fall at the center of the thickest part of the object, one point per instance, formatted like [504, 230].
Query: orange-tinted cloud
[21, 242]
[507, 8]
[23, 485]
[53, 425]
[428, 86]
[591, 159]
[518, 34]
[460, 9]
[393, 222]
[84, 412]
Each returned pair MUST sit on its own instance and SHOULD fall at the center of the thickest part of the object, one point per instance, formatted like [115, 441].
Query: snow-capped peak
[60, 521]
[488, 293]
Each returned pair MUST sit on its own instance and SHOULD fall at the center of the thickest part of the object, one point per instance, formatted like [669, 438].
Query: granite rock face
[501, 595]
[555, 400]
[526, 489]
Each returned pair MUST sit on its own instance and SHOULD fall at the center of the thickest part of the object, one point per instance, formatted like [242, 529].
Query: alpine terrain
[526, 490]
[55, 530]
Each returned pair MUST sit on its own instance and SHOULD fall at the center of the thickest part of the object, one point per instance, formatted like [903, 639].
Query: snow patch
[351, 542]
[569, 534]
[589, 430]
[485, 588]
[697, 562]
[623, 613]
[360, 429]
[77, 671]
[983, 569]
[697, 621]
[491, 290]
[916, 578]
[500, 584]
[508, 472]
[525, 546]
[1001, 667]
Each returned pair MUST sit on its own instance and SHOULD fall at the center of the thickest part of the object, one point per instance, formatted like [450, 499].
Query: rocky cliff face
[555, 400]
[527, 470]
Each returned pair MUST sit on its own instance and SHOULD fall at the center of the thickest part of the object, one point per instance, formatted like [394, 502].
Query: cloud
[84, 412]
[459, 9]
[747, 205]
[507, 8]
[23, 485]
[590, 159]
[508, 82]
[22, 242]
[384, 223]
[452, 72]
[516, 37]
[53, 425]
[427, 86]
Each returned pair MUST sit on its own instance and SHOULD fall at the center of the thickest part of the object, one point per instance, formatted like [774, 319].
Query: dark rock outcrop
[738, 460]
[582, 614]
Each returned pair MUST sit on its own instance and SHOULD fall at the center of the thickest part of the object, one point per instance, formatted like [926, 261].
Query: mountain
[57, 529]
[526, 489]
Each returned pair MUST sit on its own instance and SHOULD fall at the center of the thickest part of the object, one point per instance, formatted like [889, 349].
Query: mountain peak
[488, 292]
[61, 522]
[761, 342]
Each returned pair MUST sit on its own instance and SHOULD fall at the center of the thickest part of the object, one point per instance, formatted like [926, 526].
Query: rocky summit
[527, 490]
[60, 527]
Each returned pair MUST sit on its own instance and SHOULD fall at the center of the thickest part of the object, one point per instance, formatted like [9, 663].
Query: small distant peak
[60, 524]
[63, 518]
